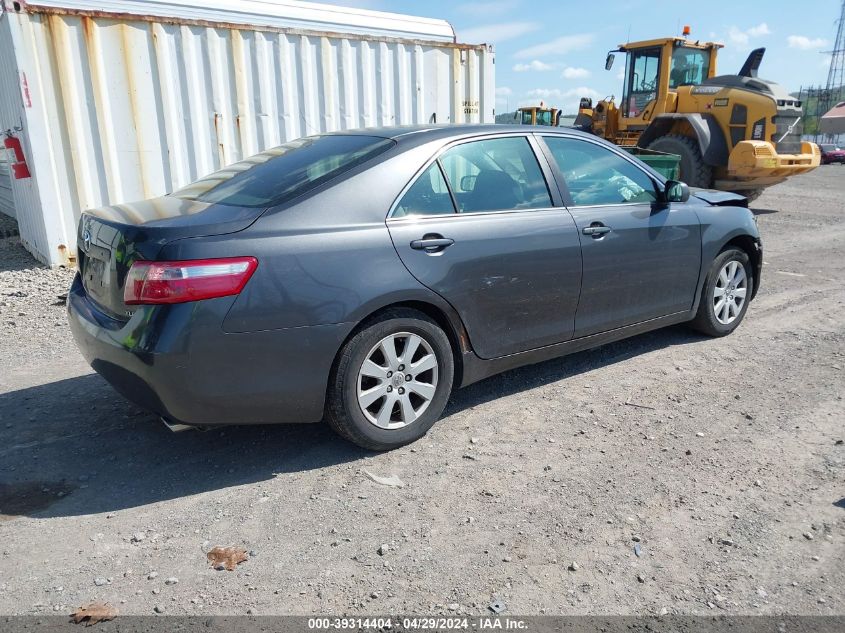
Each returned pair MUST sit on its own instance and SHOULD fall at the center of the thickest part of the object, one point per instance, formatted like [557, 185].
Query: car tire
[694, 171]
[415, 404]
[719, 319]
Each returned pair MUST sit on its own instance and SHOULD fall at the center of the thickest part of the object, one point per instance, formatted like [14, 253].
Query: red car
[832, 154]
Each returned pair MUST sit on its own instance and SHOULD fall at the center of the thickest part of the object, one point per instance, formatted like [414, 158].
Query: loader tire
[694, 171]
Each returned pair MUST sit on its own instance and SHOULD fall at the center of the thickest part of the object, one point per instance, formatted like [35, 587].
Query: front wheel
[694, 171]
[726, 293]
[391, 381]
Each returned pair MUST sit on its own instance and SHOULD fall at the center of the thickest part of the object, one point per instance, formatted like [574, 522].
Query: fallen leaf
[94, 612]
[393, 481]
[228, 557]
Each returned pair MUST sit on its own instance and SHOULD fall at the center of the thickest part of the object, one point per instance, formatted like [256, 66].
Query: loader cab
[654, 69]
[534, 115]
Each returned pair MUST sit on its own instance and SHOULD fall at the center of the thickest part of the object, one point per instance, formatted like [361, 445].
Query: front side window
[596, 175]
[284, 172]
[643, 74]
[495, 174]
[690, 66]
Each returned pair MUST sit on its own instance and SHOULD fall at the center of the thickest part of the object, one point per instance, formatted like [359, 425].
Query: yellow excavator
[733, 132]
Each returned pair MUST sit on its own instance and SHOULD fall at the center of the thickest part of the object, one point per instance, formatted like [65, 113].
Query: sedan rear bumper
[177, 362]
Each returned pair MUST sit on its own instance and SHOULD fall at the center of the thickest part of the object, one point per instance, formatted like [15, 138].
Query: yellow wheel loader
[538, 115]
[733, 132]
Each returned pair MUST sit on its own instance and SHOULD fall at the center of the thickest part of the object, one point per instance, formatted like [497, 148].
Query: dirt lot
[720, 461]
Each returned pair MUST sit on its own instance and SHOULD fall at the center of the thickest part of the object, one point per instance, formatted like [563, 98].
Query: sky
[554, 50]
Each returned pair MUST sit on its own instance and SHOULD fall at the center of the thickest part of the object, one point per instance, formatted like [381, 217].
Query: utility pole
[833, 92]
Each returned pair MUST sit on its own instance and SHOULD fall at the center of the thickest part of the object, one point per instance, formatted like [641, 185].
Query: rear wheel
[391, 381]
[694, 171]
[726, 293]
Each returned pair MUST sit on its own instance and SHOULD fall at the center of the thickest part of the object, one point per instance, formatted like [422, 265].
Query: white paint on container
[134, 99]
[7, 200]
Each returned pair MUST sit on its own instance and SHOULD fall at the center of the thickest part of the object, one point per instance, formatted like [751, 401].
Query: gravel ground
[668, 472]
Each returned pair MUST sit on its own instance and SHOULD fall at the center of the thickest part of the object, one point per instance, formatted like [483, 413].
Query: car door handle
[596, 230]
[432, 244]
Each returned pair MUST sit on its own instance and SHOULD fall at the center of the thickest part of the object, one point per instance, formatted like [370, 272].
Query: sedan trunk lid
[111, 238]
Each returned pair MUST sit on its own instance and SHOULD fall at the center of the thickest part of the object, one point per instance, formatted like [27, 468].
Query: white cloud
[503, 91]
[805, 43]
[566, 100]
[575, 73]
[495, 33]
[545, 93]
[759, 30]
[495, 7]
[559, 46]
[737, 36]
[742, 38]
[532, 65]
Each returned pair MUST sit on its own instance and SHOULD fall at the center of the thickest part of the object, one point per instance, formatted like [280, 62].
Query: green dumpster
[668, 165]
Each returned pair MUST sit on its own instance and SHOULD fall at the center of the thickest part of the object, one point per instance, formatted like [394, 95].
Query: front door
[641, 258]
[480, 228]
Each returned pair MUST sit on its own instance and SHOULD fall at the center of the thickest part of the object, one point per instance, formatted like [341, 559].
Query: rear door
[641, 257]
[480, 226]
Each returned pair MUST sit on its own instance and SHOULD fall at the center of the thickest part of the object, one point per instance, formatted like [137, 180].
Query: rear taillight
[189, 280]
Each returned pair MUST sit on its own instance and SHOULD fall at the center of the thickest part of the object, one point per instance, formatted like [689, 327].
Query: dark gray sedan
[358, 277]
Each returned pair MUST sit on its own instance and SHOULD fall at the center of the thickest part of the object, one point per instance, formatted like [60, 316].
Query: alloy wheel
[730, 292]
[397, 380]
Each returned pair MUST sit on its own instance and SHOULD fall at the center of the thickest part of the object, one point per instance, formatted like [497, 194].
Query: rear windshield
[284, 172]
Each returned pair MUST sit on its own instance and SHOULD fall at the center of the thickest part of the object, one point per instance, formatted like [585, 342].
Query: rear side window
[429, 195]
[595, 175]
[496, 174]
[284, 172]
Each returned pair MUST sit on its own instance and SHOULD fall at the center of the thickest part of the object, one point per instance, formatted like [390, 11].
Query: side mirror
[608, 63]
[675, 191]
[516, 115]
[467, 183]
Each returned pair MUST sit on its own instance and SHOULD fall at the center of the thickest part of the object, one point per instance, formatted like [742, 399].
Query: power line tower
[833, 92]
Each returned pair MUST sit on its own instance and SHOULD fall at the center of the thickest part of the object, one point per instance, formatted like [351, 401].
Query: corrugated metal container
[123, 100]
[7, 201]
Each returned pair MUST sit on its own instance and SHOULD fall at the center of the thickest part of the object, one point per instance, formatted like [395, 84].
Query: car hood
[720, 198]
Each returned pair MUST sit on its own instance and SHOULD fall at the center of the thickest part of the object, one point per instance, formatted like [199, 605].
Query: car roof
[414, 134]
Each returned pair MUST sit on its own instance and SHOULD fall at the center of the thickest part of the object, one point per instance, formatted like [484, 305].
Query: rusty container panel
[122, 107]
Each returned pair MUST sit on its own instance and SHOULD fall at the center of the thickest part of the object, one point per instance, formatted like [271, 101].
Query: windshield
[284, 172]
[690, 66]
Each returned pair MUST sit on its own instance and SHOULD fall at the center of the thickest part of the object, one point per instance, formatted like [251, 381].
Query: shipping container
[121, 100]
[7, 202]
